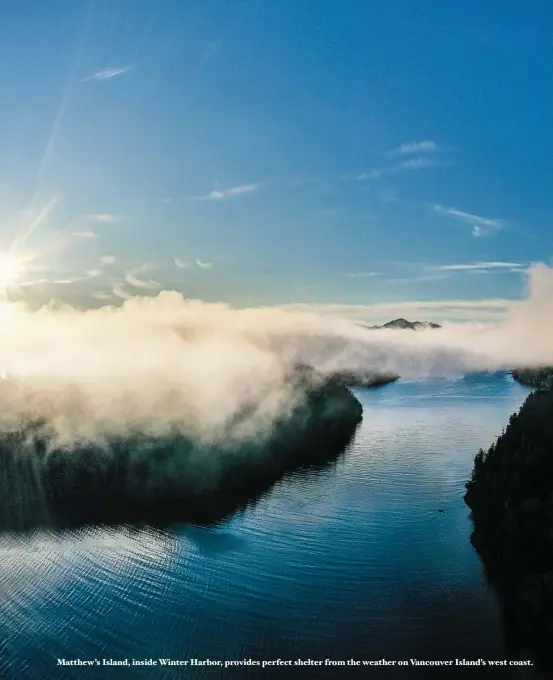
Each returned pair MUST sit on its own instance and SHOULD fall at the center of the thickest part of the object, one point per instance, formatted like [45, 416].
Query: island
[410, 325]
[141, 478]
[403, 324]
[366, 379]
[510, 495]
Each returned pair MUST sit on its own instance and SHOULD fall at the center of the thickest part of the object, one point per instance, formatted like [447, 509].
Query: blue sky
[352, 153]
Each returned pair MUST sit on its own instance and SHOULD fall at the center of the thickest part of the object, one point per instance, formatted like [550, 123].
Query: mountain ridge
[404, 324]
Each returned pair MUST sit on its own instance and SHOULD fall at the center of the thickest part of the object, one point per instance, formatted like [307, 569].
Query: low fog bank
[168, 365]
[209, 383]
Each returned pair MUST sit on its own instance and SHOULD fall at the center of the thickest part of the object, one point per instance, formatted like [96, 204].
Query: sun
[10, 269]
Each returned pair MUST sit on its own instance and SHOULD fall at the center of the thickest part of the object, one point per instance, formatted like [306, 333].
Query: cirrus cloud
[481, 226]
[424, 146]
[107, 73]
[232, 192]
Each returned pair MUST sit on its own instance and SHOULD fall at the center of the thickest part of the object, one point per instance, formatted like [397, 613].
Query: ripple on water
[351, 560]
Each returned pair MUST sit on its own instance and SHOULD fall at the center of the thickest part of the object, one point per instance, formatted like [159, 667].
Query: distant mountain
[404, 324]
[364, 378]
[411, 325]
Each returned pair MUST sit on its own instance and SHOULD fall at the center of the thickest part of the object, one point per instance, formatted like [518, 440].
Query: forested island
[362, 378]
[511, 498]
[139, 478]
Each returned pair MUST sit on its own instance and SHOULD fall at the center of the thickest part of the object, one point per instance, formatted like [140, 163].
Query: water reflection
[30, 501]
[351, 558]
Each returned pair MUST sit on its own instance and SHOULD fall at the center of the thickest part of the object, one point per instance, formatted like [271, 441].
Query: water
[351, 561]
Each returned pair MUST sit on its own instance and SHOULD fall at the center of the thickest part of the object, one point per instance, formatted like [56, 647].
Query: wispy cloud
[65, 280]
[107, 73]
[415, 163]
[139, 283]
[180, 264]
[481, 226]
[84, 234]
[358, 275]
[369, 175]
[217, 195]
[204, 265]
[108, 259]
[419, 163]
[119, 292]
[101, 295]
[106, 218]
[68, 280]
[36, 282]
[418, 279]
[424, 146]
[488, 310]
[479, 266]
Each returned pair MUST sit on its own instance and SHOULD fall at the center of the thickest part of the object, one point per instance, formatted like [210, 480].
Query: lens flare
[10, 269]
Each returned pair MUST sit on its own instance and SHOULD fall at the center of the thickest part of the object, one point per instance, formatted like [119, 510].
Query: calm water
[354, 560]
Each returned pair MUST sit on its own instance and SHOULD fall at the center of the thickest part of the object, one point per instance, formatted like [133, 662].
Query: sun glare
[10, 269]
